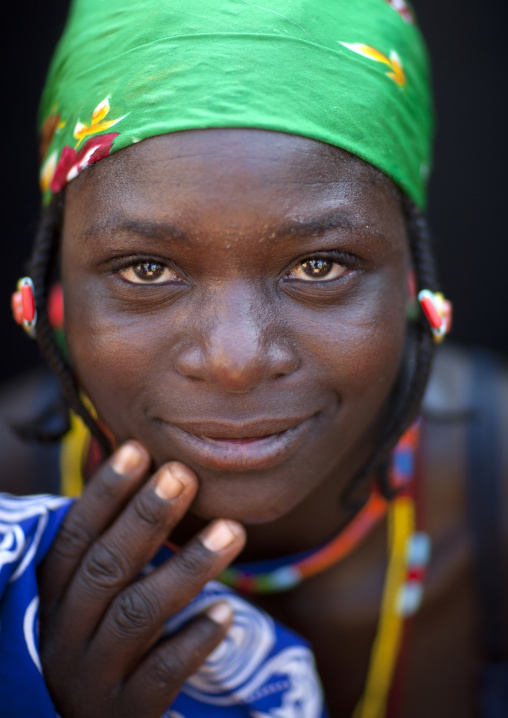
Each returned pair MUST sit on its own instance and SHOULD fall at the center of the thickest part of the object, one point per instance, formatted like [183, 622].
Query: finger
[117, 557]
[103, 498]
[156, 683]
[137, 616]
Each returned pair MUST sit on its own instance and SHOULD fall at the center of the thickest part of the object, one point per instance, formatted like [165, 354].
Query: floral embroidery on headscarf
[57, 171]
[47, 172]
[403, 9]
[393, 62]
[98, 123]
[51, 125]
[156, 79]
[71, 162]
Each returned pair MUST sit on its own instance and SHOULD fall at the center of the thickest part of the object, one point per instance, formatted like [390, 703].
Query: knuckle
[107, 487]
[103, 567]
[74, 537]
[205, 630]
[191, 564]
[167, 668]
[134, 611]
[148, 511]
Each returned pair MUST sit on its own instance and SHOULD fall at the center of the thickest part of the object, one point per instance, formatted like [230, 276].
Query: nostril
[236, 364]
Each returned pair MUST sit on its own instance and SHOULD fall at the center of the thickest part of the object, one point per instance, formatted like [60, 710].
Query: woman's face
[235, 299]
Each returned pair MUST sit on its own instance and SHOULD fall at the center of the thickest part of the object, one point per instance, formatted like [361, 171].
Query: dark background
[468, 197]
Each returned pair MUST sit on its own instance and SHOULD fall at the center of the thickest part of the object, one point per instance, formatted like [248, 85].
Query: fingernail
[220, 613]
[126, 459]
[180, 471]
[167, 486]
[218, 536]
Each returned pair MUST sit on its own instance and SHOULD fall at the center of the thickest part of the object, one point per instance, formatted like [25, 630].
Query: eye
[148, 272]
[317, 269]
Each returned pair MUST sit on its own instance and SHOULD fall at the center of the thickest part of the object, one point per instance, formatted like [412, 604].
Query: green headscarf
[352, 73]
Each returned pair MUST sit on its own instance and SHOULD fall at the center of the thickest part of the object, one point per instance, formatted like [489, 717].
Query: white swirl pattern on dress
[238, 657]
[32, 549]
[301, 696]
[241, 670]
[30, 631]
[12, 543]
[19, 508]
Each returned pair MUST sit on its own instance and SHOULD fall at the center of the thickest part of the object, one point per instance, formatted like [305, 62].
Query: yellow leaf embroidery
[393, 62]
[98, 123]
[100, 111]
[47, 171]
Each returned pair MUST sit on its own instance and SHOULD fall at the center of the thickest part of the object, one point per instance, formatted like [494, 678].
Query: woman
[234, 195]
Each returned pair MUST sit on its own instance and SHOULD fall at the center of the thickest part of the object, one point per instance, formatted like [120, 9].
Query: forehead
[233, 177]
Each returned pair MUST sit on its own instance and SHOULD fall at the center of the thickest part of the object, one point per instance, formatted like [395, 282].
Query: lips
[233, 447]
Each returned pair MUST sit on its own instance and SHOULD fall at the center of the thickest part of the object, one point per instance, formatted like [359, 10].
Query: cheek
[359, 345]
[111, 355]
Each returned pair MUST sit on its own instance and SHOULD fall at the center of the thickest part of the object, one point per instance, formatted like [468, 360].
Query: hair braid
[42, 266]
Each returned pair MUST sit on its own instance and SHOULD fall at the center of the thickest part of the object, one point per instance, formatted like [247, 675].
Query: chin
[259, 511]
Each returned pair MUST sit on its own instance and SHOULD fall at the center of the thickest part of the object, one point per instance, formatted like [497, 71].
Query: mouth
[225, 447]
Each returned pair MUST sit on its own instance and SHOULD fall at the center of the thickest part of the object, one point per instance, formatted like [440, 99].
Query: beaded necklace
[281, 575]
[408, 554]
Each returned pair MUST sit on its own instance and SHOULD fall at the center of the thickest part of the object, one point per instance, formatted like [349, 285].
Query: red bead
[56, 307]
[28, 300]
[17, 307]
[416, 573]
[431, 312]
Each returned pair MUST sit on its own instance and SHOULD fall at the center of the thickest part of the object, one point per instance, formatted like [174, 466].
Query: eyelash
[121, 265]
[345, 259]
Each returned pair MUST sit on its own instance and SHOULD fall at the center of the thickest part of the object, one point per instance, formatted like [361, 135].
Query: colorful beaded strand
[409, 553]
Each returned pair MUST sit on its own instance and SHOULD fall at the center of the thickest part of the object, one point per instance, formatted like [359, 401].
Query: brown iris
[148, 270]
[317, 267]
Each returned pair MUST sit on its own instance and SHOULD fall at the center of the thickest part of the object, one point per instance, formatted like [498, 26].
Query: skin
[233, 218]
[152, 357]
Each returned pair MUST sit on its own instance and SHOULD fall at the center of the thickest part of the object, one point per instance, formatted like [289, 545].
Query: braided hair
[405, 401]
[43, 263]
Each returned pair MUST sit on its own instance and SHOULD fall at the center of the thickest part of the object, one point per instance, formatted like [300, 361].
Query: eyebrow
[322, 223]
[152, 229]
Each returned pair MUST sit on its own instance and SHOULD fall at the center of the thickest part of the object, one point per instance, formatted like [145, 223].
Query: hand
[99, 622]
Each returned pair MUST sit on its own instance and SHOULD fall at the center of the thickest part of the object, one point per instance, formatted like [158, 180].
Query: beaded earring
[438, 311]
[23, 306]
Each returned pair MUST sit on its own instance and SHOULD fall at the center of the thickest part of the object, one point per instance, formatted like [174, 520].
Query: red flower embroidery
[402, 8]
[71, 162]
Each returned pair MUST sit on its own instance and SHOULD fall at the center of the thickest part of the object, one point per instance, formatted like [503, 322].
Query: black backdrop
[469, 196]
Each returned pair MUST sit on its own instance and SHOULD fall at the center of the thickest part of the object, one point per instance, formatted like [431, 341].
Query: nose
[237, 344]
